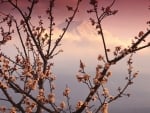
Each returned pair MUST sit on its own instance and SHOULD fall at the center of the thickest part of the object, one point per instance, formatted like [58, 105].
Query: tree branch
[65, 29]
[21, 39]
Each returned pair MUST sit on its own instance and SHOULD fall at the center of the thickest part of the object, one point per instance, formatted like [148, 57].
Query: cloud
[82, 37]
[74, 25]
[85, 35]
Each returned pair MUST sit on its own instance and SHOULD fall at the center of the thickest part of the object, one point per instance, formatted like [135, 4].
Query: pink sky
[119, 29]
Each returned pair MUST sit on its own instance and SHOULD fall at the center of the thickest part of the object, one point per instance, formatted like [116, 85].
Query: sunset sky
[82, 42]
